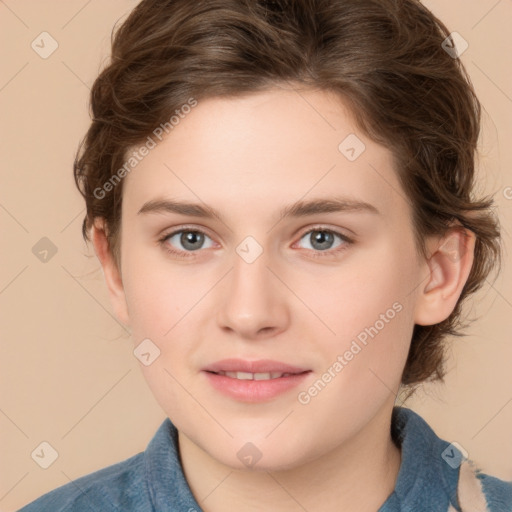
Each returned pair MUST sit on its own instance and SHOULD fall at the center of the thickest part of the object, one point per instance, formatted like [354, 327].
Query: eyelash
[315, 254]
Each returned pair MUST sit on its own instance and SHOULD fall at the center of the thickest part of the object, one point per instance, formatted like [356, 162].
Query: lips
[253, 381]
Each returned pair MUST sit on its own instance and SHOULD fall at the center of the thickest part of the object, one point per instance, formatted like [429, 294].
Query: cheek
[371, 310]
[372, 344]
[158, 295]
[161, 302]
[363, 364]
[376, 292]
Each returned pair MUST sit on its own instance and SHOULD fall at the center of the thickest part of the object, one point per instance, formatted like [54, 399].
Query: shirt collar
[426, 481]
[165, 480]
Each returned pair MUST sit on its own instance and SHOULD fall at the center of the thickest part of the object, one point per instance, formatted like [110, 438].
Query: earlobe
[111, 271]
[448, 269]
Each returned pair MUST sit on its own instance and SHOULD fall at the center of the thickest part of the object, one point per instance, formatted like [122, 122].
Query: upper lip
[260, 366]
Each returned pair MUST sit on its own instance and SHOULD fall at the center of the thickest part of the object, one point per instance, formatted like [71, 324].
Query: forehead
[264, 149]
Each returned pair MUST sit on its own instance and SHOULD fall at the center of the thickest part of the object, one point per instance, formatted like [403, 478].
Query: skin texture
[248, 158]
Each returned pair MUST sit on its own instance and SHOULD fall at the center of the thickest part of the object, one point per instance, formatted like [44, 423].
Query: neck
[356, 476]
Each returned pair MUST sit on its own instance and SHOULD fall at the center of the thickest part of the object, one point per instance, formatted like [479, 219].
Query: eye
[184, 242]
[319, 239]
[187, 240]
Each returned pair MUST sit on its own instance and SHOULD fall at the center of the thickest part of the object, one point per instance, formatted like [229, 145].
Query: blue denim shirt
[153, 480]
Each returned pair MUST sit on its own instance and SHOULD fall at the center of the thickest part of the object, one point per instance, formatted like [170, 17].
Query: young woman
[281, 197]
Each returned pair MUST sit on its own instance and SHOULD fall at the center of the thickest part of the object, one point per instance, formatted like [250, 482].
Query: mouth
[254, 376]
[253, 381]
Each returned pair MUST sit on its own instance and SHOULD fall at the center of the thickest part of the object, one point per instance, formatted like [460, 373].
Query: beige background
[68, 375]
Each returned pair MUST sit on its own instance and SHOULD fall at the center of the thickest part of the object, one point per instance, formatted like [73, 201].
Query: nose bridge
[252, 301]
[251, 277]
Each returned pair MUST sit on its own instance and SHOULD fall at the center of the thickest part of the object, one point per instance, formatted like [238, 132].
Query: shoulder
[454, 482]
[498, 493]
[116, 487]
[151, 480]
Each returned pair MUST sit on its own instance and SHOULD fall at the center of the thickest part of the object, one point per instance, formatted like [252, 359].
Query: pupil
[321, 239]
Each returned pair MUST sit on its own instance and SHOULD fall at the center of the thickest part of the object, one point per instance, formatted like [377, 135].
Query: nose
[253, 302]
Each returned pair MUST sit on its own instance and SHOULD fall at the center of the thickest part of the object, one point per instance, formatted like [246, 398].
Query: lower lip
[254, 390]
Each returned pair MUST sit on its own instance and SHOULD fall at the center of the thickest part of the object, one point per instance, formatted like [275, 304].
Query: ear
[111, 271]
[448, 268]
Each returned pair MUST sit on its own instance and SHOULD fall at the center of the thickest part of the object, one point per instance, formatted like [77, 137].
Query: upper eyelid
[345, 238]
[167, 234]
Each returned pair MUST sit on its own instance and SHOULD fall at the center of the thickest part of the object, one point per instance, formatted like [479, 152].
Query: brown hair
[383, 57]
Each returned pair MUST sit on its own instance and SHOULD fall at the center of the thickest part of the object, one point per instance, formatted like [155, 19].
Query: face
[273, 266]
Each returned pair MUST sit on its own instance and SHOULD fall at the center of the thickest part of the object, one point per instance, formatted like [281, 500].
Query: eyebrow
[298, 209]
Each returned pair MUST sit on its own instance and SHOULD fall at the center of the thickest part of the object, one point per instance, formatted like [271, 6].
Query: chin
[260, 454]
